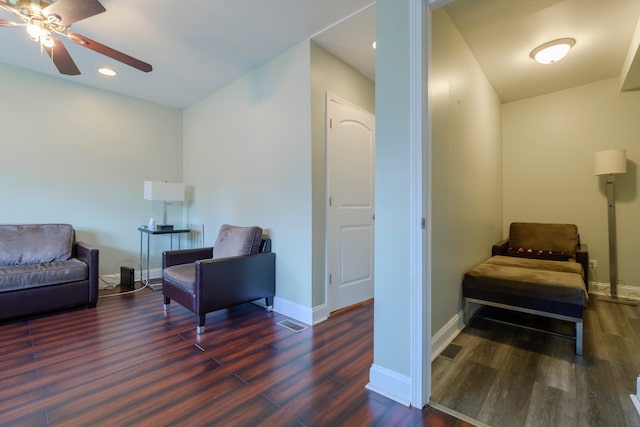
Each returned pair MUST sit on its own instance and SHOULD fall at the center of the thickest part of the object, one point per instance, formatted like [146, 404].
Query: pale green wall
[549, 143]
[392, 317]
[78, 155]
[329, 74]
[247, 154]
[467, 167]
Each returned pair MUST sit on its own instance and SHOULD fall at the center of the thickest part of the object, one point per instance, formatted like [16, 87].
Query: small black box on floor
[127, 279]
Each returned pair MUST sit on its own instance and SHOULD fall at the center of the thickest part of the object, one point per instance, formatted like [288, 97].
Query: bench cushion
[16, 277]
[570, 266]
[544, 283]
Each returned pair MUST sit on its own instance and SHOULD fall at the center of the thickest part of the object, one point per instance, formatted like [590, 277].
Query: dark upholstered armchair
[240, 268]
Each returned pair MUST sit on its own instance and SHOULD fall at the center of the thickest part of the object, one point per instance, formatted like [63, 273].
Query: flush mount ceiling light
[373, 45]
[552, 51]
[105, 71]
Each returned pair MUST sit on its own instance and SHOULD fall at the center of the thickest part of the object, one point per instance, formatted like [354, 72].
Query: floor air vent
[451, 351]
[292, 326]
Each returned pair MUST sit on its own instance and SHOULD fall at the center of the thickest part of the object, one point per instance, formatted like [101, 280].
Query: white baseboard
[390, 384]
[636, 401]
[294, 310]
[624, 291]
[299, 312]
[446, 334]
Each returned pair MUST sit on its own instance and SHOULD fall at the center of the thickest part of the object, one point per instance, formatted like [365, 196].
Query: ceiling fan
[46, 20]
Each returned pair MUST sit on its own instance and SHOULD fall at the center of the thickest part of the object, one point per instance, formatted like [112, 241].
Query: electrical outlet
[593, 264]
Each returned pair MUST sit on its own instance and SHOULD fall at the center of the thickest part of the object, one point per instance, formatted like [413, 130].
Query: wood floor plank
[541, 381]
[128, 362]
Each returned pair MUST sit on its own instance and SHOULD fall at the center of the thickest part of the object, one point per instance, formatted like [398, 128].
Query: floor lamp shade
[610, 162]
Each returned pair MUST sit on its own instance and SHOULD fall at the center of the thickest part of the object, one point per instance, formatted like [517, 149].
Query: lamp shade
[165, 191]
[610, 162]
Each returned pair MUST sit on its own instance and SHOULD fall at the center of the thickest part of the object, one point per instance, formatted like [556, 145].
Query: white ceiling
[502, 33]
[198, 46]
[195, 46]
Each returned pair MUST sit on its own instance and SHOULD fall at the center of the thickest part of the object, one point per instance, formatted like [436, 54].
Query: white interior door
[350, 203]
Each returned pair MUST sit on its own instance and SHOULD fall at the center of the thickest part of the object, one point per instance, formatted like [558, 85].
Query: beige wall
[79, 155]
[329, 74]
[247, 155]
[466, 167]
[549, 143]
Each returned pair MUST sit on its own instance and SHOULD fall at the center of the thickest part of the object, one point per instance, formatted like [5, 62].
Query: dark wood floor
[128, 363]
[508, 376]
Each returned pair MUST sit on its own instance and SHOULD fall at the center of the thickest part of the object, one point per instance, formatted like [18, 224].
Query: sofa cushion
[537, 264]
[237, 241]
[558, 238]
[559, 286]
[16, 277]
[35, 243]
[181, 275]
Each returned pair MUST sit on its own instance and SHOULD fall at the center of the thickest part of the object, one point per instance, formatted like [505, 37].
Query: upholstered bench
[532, 284]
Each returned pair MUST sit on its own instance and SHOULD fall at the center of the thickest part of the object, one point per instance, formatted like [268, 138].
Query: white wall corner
[390, 384]
[446, 334]
[320, 314]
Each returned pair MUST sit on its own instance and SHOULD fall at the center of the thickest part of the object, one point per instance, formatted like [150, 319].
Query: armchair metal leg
[269, 303]
[167, 301]
[201, 322]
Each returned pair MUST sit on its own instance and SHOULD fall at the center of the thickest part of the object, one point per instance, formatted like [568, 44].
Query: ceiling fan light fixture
[36, 29]
[106, 71]
[47, 41]
[553, 51]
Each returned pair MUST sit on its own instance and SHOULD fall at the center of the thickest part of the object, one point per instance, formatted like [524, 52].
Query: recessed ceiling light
[553, 51]
[105, 71]
[373, 44]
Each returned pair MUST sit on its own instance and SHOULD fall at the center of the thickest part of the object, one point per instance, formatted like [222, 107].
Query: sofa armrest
[500, 248]
[582, 256]
[91, 257]
[228, 281]
[185, 256]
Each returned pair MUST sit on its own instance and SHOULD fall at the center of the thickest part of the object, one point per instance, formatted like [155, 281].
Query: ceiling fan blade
[5, 23]
[71, 11]
[62, 59]
[9, 8]
[111, 53]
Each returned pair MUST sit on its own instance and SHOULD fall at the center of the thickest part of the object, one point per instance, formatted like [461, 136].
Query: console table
[153, 232]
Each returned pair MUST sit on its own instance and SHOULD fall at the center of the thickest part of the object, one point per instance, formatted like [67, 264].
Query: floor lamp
[611, 163]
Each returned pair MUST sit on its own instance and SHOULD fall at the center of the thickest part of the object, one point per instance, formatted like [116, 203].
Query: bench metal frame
[577, 320]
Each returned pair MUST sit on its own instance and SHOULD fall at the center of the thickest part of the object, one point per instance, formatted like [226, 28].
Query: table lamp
[166, 192]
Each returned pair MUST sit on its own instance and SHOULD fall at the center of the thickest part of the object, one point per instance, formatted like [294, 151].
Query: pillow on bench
[538, 254]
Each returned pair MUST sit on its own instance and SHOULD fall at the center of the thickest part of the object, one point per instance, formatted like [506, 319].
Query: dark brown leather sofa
[43, 269]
